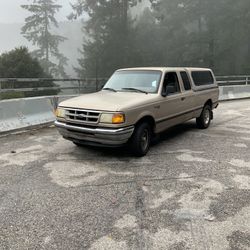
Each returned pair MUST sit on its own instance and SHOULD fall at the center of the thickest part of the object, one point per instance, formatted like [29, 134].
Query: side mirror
[164, 93]
[169, 89]
[164, 90]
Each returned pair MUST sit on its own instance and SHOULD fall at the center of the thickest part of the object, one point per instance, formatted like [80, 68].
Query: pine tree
[204, 33]
[171, 33]
[110, 41]
[37, 29]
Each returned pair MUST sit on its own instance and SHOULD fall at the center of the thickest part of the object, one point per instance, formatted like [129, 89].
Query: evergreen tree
[197, 33]
[204, 33]
[18, 63]
[38, 30]
[149, 46]
[110, 40]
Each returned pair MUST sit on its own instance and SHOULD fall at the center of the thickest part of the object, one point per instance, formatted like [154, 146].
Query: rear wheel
[141, 138]
[204, 120]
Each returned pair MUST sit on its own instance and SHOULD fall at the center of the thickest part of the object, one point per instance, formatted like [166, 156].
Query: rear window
[202, 78]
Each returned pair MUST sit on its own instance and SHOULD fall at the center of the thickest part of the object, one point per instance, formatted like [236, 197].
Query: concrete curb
[26, 129]
[24, 113]
[234, 92]
[234, 99]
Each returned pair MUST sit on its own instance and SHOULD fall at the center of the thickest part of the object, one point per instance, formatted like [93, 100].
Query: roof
[165, 68]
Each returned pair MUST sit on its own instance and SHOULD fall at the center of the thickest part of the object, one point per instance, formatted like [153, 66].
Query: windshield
[142, 80]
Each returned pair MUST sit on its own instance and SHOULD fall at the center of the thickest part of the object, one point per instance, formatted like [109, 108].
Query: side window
[171, 84]
[185, 79]
[202, 78]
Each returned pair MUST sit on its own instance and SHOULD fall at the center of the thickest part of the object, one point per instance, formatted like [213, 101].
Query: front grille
[80, 116]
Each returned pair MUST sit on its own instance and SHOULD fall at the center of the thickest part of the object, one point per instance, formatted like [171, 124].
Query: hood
[109, 101]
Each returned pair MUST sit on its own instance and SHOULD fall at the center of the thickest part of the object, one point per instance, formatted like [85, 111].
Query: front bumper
[95, 136]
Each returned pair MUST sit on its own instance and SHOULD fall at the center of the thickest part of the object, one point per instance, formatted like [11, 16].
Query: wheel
[203, 121]
[78, 144]
[141, 138]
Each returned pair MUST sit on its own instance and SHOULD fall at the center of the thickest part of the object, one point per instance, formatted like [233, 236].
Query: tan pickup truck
[137, 103]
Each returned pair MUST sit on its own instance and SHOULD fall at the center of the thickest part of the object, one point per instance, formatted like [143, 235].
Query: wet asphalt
[192, 190]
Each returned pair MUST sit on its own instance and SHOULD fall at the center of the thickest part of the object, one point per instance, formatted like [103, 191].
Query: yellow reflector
[60, 112]
[57, 112]
[118, 118]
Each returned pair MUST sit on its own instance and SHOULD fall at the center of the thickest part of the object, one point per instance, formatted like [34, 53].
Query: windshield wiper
[110, 89]
[137, 90]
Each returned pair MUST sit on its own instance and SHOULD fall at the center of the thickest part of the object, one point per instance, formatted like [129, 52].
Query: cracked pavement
[192, 190]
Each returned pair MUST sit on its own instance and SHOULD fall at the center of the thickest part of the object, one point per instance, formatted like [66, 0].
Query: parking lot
[192, 190]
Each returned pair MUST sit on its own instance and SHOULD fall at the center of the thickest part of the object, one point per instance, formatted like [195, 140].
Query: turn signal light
[118, 118]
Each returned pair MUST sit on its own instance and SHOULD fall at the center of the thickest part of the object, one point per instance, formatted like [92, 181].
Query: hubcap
[206, 116]
[144, 139]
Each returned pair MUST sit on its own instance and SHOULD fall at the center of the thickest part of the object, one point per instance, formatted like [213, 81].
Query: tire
[140, 140]
[78, 144]
[204, 120]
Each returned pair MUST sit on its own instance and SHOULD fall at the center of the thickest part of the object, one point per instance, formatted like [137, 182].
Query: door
[172, 105]
[188, 97]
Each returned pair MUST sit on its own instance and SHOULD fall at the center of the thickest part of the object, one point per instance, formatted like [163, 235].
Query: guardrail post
[79, 85]
[96, 84]
[247, 79]
[0, 90]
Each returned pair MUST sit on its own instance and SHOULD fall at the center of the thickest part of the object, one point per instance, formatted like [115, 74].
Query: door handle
[183, 98]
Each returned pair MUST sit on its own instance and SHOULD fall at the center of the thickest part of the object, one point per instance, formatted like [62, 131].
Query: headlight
[60, 112]
[116, 118]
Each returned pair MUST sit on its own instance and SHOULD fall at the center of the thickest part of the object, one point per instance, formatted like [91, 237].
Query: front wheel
[204, 120]
[141, 138]
[77, 144]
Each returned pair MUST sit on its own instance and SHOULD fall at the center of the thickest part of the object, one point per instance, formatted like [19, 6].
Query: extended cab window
[185, 79]
[202, 78]
[171, 84]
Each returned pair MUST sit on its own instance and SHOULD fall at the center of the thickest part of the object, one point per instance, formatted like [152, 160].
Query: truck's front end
[93, 127]
[109, 117]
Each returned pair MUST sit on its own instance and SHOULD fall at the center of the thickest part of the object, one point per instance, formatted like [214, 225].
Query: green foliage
[11, 95]
[18, 63]
[110, 36]
[38, 30]
[205, 33]
[198, 33]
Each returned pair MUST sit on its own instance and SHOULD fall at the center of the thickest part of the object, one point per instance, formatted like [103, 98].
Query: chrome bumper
[100, 136]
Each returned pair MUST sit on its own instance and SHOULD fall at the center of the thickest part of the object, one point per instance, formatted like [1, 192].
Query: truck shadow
[174, 132]
[124, 152]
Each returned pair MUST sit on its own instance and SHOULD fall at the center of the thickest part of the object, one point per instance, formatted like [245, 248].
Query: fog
[12, 18]
[11, 37]
[11, 11]
[110, 35]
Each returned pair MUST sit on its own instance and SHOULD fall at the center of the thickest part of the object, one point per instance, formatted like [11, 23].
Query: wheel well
[209, 102]
[149, 119]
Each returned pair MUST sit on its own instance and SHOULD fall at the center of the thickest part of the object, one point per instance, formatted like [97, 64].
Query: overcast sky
[11, 12]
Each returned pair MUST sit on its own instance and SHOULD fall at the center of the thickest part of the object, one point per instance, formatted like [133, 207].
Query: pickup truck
[137, 103]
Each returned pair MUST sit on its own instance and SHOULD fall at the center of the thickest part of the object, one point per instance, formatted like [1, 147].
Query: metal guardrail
[233, 80]
[29, 87]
